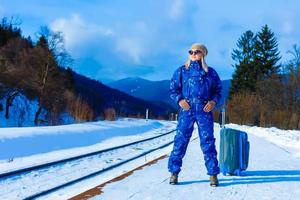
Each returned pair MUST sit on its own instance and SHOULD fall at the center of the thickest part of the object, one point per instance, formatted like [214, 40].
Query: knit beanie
[200, 47]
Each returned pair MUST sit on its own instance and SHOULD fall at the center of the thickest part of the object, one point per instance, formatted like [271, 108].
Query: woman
[197, 89]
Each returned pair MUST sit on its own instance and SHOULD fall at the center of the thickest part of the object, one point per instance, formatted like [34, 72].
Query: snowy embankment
[22, 113]
[23, 147]
[287, 139]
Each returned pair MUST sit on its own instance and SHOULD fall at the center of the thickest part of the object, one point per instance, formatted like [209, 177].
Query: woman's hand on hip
[184, 104]
[209, 106]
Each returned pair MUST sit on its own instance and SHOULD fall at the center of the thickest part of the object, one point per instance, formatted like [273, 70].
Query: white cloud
[159, 34]
[132, 47]
[1, 11]
[282, 20]
[128, 39]
[287, 27]
[134, 41]
[286, 20]
[176, 9]
[77, 31]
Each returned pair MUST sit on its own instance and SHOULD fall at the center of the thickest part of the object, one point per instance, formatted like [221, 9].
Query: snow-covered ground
[101, 135]
[273, 173]
[34, 145]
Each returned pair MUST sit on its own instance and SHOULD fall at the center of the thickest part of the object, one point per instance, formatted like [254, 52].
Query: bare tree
[55, 41]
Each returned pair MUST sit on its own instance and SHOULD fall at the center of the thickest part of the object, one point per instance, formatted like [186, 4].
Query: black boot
[174, 179]
[214, 181]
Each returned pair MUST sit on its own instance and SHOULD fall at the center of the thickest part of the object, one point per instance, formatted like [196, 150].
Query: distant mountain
[144, 89]
[154, 90]
[100, 97]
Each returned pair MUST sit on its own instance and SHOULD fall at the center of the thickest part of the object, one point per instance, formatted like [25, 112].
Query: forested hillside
[40, 71]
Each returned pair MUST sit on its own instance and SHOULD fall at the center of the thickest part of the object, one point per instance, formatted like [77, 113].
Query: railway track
[75, 169]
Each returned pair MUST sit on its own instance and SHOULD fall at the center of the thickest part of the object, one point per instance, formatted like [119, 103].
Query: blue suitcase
[234, 151]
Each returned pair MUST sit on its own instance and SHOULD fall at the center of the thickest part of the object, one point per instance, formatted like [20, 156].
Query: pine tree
[256, 59]
[267, 53]
[242, 79]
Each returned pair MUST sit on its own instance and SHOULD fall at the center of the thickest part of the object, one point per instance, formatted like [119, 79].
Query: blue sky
[115, 39]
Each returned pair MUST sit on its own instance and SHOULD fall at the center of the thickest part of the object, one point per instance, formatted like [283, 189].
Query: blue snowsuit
[197, 87]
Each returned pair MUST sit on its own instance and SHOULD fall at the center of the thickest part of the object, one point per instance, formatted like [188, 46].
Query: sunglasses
[191, 52]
